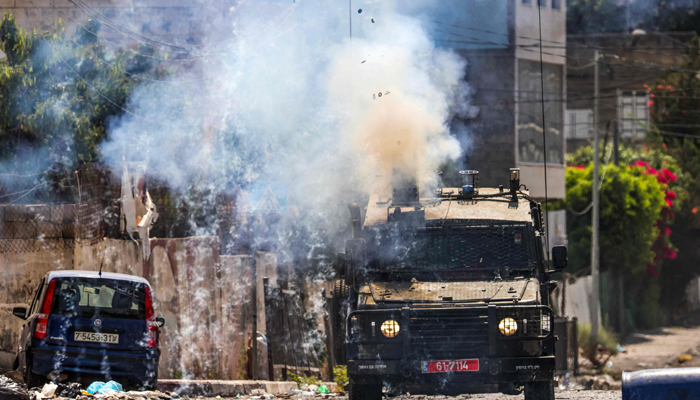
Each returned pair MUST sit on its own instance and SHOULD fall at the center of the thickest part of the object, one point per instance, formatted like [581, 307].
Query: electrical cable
[544, 130]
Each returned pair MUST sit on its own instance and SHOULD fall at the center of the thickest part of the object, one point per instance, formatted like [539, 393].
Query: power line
[507, 45]
[544, 129]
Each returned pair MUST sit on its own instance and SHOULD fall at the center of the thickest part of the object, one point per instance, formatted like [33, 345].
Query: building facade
[509, 77]
[628, 65]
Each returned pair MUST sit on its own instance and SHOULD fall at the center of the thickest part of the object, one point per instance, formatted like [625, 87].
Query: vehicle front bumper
[491, 370]
[129, 365]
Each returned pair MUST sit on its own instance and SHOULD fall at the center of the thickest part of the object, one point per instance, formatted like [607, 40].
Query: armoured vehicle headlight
[508, 326]
[390, 328]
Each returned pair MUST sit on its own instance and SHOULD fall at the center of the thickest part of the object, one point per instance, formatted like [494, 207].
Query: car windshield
[99, 297]
[452, 248]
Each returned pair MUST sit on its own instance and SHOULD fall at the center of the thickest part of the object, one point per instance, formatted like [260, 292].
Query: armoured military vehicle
[447, 293]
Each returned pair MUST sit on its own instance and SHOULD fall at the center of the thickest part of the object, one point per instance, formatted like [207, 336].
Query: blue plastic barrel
[666, 384]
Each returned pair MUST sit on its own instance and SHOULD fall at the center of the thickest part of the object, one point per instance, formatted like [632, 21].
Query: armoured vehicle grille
[449, 334]
[506, 246]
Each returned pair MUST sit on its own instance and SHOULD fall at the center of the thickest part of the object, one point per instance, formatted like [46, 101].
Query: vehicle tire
[365, 391]
[30, 378]
[340, 311]
[539, 390]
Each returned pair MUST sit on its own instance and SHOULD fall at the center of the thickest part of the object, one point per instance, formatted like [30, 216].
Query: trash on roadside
[15, 376]
[70, 390]
[12, 390]
[313, 388]
[323, 389]
[85, 393]
[621, 349]
[104, 388]
[609, 364]
[258, 392]
[302, 392]
[49, 390]
[684, 357]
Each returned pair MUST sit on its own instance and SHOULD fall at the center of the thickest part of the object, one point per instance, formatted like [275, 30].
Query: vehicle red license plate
[430, 367]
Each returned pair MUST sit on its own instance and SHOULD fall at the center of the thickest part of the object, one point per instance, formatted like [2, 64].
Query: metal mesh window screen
[453, 248]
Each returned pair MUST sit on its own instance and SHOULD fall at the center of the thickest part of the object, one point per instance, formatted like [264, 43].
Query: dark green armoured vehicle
[447, 294]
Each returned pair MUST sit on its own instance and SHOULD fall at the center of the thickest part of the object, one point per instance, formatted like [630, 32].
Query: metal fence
[289, 348]
[85, 206]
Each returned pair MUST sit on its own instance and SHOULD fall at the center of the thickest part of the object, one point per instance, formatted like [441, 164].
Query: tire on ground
[365, 391]
[340, 312]
[539, 390]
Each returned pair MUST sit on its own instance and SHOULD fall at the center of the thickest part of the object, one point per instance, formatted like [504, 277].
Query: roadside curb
[222, 388]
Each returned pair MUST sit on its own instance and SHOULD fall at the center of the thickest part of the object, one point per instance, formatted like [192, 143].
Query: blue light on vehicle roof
[468, 189]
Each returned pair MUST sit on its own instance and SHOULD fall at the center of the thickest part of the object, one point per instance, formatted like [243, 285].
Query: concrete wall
[204, 298]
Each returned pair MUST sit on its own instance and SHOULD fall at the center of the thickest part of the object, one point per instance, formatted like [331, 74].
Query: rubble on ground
[598, 382]
[12, 390]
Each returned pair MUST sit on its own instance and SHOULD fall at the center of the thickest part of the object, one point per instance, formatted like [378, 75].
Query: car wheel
[365, 391]
[539, 390]
[149, 385]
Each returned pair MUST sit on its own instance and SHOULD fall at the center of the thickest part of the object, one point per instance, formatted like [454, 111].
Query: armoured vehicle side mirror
[355, 253]
[560, 259]
[20, 312]
[160, 322]
[339, 265]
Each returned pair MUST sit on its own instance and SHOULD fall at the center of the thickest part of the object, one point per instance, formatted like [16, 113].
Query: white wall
[527, 31]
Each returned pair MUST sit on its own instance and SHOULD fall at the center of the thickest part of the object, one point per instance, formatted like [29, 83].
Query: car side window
[34, 308]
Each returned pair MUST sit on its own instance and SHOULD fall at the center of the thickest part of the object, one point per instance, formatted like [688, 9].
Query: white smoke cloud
[284, 95]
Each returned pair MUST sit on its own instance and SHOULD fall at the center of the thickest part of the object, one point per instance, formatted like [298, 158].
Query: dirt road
[659, 348]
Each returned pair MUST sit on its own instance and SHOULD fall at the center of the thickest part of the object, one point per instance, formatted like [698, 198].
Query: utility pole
[595, 251]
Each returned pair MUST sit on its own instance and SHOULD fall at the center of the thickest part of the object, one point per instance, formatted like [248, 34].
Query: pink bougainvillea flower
[670, 175]
[670, 194]
[651, 270]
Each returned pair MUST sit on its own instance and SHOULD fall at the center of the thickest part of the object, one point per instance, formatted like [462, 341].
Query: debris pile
[11, 390]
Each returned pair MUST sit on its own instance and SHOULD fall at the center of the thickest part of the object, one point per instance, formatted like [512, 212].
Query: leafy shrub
[340, 375]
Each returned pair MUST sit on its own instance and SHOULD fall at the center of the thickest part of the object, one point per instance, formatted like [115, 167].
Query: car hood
[438, 292]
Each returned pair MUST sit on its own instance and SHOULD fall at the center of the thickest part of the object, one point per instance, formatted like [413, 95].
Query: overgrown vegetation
[303, 380]
[340, 375]
[58, 93]
[597, 353]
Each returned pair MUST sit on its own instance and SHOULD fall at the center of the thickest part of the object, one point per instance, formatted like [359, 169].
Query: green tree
[631, 203]
[57, 93]
[675, 131]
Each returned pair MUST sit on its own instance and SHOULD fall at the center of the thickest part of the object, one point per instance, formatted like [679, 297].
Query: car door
[28, 326]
